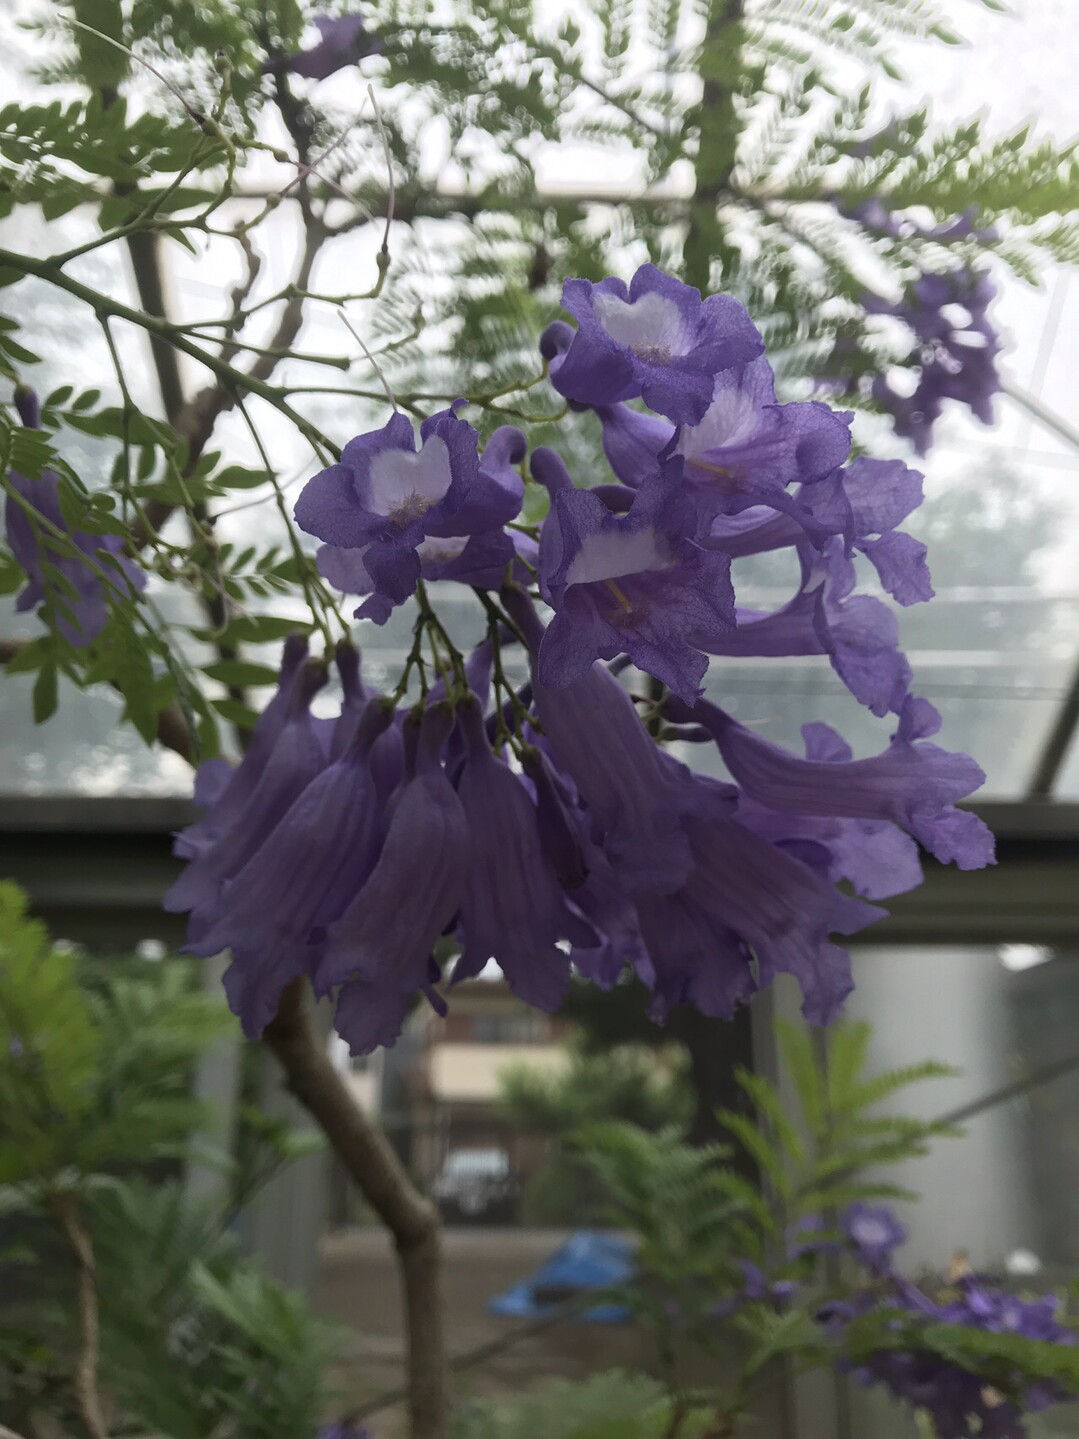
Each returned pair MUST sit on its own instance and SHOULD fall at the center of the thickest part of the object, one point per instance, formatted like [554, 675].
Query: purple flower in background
[342, 41]
[344, 1429]
[875, 1233]
[633, 585]
[658, 339]
[955, 354]
[78, 591]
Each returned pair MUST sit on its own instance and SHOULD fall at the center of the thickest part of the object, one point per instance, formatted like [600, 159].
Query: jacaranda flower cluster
[959, 1401]
[542, 826]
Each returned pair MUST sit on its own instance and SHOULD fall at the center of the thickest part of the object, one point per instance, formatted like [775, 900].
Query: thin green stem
[234, 380]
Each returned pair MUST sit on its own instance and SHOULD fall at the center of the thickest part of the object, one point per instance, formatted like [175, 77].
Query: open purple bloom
[875, 1234]
[658, 339]
[635, 585]
[75, 588]
[389, 511]
[379, 948]
[513, 908]
[342, 41]
[747, 449]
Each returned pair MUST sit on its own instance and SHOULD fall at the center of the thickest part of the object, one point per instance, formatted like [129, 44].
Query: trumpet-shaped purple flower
[295, 758]
[749, 910]
[380, 946]
[634, 793]
[513, 908]
[275, 912]
[658, 339]
[634, 585]
[221, 791]
[858, 633]
[75, 588]
[386, 497]
[913, 784]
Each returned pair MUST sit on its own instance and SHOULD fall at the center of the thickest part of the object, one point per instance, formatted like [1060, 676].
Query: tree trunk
[378, 1173]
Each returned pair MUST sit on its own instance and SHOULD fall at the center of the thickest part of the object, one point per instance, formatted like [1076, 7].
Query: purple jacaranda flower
[385, 497]
[513, 908]
[342, 41]
[874, 215]
[954, 359]
[344, 1429]
[635, 585]
[295, 758]
[604, 902]
[858, 633]
[749, 910]
[559, 828]
[77, 587]
[658, 339]
[221, 790]
[747, 449]
[913, 784]
[378, 950]
[875, 1234]
[635, 794]
[481, 561]
[275, 912]
[877, 858]
[960, 1401]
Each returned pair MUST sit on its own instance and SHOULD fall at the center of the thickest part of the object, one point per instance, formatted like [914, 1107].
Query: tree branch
[381, 1178]
[86, 1391]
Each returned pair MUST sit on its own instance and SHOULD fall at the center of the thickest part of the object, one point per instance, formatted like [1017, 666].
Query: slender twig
[64, 1208]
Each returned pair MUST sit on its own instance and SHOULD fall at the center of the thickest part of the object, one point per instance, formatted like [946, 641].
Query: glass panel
[1007, 1192]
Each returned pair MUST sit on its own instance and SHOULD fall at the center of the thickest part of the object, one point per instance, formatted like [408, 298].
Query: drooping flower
[913, 784]
[513, 908]
[293, 760]
[380, 948]
[657, 339]
[275, 912]
[75, 575]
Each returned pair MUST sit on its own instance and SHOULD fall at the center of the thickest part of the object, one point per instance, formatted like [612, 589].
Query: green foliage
[633, 1085]
[96, 1067]
[613, 1405]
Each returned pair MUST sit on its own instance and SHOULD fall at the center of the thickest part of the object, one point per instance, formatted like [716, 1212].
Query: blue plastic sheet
[589, 1259]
